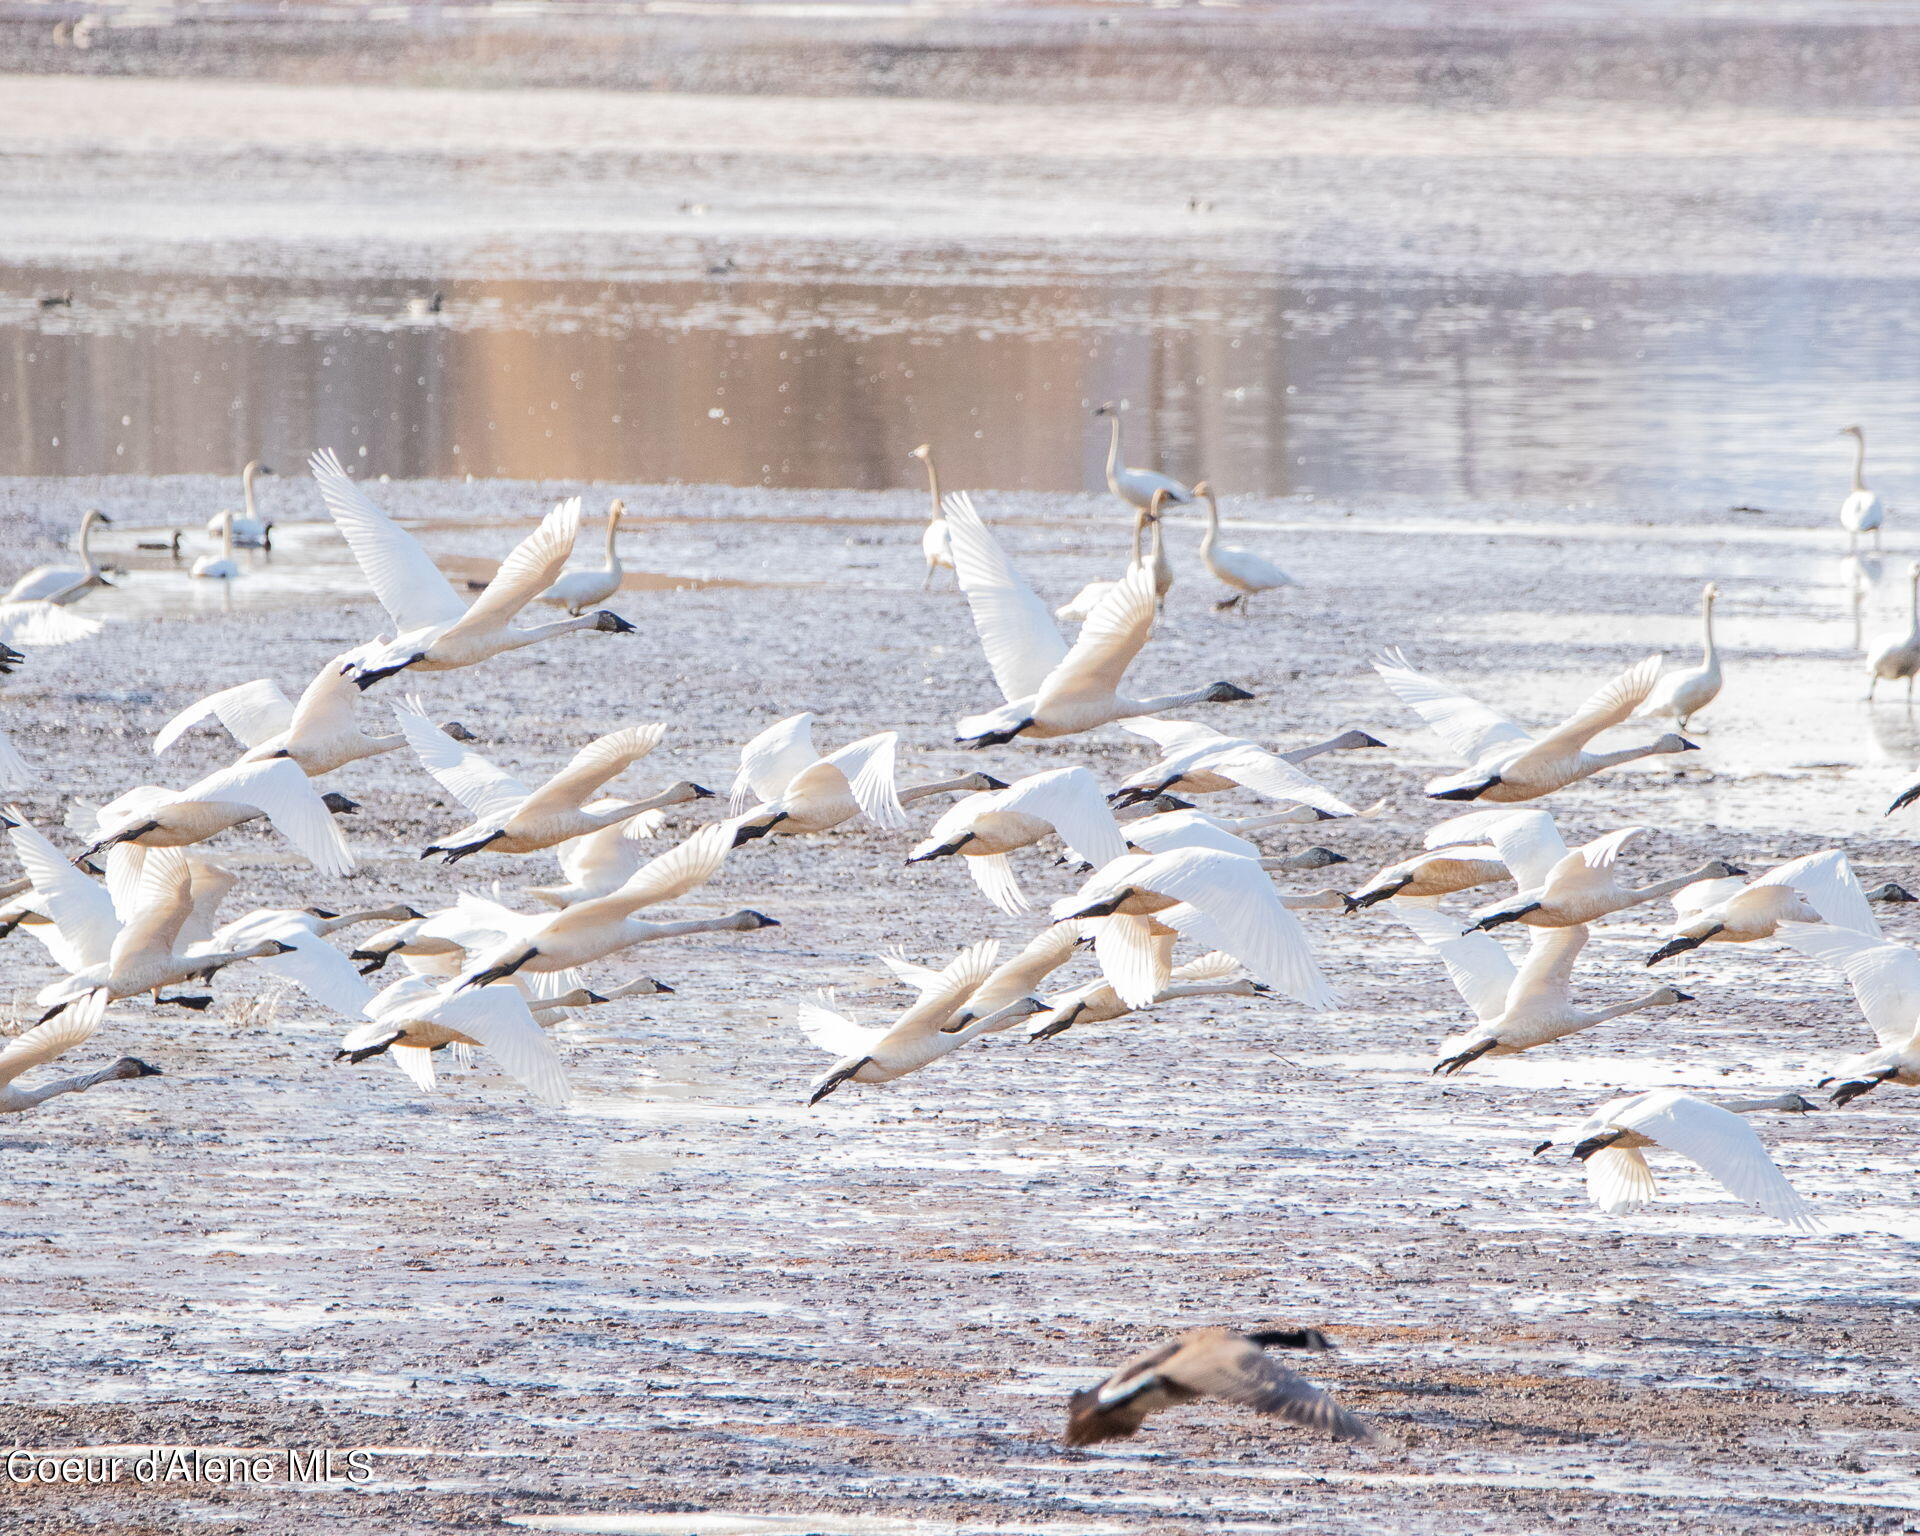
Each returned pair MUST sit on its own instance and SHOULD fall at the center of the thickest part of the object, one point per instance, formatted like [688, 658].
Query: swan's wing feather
[43, 623]
[1245, 917]
[533, 565]
[498, 1020]
[682, 868]
[1275, 778]
[37, 1046]
[1173, 735]
[1885, 978]
[319, 970]
[907, 972]
[81, 908]
[163, 904]
[993, 873]
[1529, 843]
[405, 580]
[1828, 882]
[415, 1064]
[1469, 728]
[15, 771]
[1480, 969]
[1108, 642]
[1022, 642]
[1135, 962]
[1473, 827]
[593, 765]
[252, 712]
[770, 761]
[1186, 829]
[1072, 802]
[868, 766]
[832, 1031]
[488, 792]
[279, 791]
[1619, 1180]
[1724, 1145]
[1603, 850]
[1607, 706]
[1214, 965]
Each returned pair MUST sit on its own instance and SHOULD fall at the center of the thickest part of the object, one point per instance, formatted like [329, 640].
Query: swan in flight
[1816, 888]
[1136, 487]
[1684, 692]
[1429, 875]
[1612, 1141]
[1520, 1006]
[433, 629]
[1898, 656]
[1211, 1362]
[1862, 511]
[1507, 763]
[577, 591]
[510, 818]
[1559, 886]
[1052, 690]
[152, 817]
[1241, 569]
[785, 788]
[44, 1042]
[915, 1039]
[985, 827]
[936, 544]
[1079, 608]
[1198, 760]
[38, 622]
[1220, 900]
[1885, 981]
[601, 862]
[249, 529]
[63, 583]
[415, 1014]
[220, 567]
[318, 734]
[1215, 974]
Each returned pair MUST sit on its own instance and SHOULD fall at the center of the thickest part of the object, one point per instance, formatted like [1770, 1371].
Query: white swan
[1898, 655]
[1430, 875]
[510, 818]
[220, 567]
[1212, 975]
[1611, 1142]
[1862, 511]
[1519, 1007]
[1559, 886]
[41, 1044]
[1885, 981]
[1198, 760]
[37, 622]
[1241, 569]
[250, 530]
[1079, 608]
[318, 734]
[1220, 900]
[577, 591]
[1136, 486]
[64, 583]
[1508, 763]
[984, 828]
[1052, 690]
[416, 1014]
[1816, 888]
[601, 862]
[1684, 692]
[434, 630]
[936, 544]
[152, 817]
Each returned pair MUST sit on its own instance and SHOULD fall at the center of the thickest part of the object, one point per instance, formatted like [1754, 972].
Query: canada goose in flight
[250, 529]
[1684, 692]
[1611, 1143]
[1053, 690]
[1136, 487]
[1862, 511]
[1815, 888]
[433, 629]
[318, 734]
[510, 818]
[44, 1042]
[152, 817]
[1507, 763]
[1519, 1007]
[577, 591]
[1215, 974]
[64, 583]
[1240, 569]
[936, 543]
[1885, 981]
[785, 788]
[1211, 1362]
[1198, 760]
[420, 1014]
[984, 828]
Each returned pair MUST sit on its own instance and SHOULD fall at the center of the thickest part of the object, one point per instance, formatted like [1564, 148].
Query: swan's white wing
[1529, 843]
[907, 972]
[15, 771]
[604, 859]
[1603, 850]
[1474, 827]
[285, 796]
[1134, 961]
[1607, 706]
[498, 1020]
[41, 1044]
[1723, 1144]
[868, 766]
[1274, 777]
[1481, 971]
[1885, 978]
[993, 874]
[534, 565]
[161, 907]
[1214, 965]
[1469, 728]
[1186, 829]
[1021, 639]
[473, 921]
[319, 970]
[252, 712]
[43, 623]
[489, 793]
[1072, 802]
[415, 1063]
[81, 907]
[593, 765]
[1244, 916]
[1619, 1180]
[407, 582]
[1174, 735]
[1110, 639]
[680, 869]
[769, 762]
[834, 1032]
[1827, 880]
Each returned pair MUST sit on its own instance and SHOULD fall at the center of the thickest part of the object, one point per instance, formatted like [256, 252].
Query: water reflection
[1680, 391]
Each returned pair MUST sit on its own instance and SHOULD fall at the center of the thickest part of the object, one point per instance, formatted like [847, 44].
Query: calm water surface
[1672, 392]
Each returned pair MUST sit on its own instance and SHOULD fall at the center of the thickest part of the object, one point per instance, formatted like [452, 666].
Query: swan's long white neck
[944, 787]
[1916, 602]
[1859, 460]
[86, 539]
[1213, 525]
[26, 1098]
[515, 639]
[1139, 536]
[246, 484]
[1661, 888]
[613, 533]
[1167, 701]
[226, 534]
[1707, 654]
[1595, 761]
[1632, 1005]
[933, 486]
[1113, 451]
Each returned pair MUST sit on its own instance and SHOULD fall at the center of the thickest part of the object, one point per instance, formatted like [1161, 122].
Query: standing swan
[577, 591]
[1683, 694]
[1862, 511]
[1898, 656]
[936, 543]
[1136, 486]
[63, 583]
[1241, 569]
[219, 567]
[1088, 597]
[250, 530]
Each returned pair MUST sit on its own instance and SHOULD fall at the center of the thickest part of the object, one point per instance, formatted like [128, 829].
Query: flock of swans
[133, 909]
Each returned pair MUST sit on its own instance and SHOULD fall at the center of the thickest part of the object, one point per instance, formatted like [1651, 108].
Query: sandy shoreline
[689, 1291]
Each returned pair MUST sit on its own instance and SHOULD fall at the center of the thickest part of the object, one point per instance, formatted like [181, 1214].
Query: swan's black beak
[606, 619]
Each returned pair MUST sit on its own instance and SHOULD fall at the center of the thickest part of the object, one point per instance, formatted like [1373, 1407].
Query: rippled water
[1669, 392]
